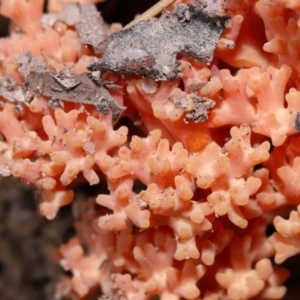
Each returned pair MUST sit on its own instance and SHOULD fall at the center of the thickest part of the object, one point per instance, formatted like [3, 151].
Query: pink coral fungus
[198, 147]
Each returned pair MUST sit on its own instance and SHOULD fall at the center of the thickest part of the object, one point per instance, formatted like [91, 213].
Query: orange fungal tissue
[190, 139]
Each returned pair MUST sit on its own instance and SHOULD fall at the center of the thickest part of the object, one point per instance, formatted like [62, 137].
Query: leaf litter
[77, 88]
[150, 48]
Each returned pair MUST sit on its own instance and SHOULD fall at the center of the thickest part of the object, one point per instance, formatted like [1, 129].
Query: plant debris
[87, 21]
[152, 12]
[27, 63]
[196, 86]
[77, 88]
[11, 92]
[150, 48]
[67, 80]
[196, 107]
[91, 28]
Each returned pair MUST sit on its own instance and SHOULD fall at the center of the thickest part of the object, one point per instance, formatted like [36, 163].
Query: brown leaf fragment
[196, 107]
[27, 63]
[77, 88]
[149, 48]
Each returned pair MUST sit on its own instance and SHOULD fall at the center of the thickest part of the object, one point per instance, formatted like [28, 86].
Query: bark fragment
[81, 89]
[150, 48]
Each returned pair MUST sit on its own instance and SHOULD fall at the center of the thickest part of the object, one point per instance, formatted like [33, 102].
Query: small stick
[151, 12]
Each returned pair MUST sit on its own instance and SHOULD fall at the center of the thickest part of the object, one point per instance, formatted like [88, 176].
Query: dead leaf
[150, 48]
[77, 88]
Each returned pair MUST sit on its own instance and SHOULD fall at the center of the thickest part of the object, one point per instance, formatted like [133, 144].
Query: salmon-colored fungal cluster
[188, 203]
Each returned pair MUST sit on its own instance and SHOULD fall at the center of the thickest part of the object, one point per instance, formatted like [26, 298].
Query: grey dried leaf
[77, 88]
[88, 23]
[27, 63]
[150, 48]
[196, 107]
[11, 92]
[91, 28]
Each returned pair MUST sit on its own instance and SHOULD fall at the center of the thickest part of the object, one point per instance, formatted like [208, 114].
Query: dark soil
[28, 243]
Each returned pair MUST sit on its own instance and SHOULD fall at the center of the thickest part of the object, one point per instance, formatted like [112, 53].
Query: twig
[151, 12]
